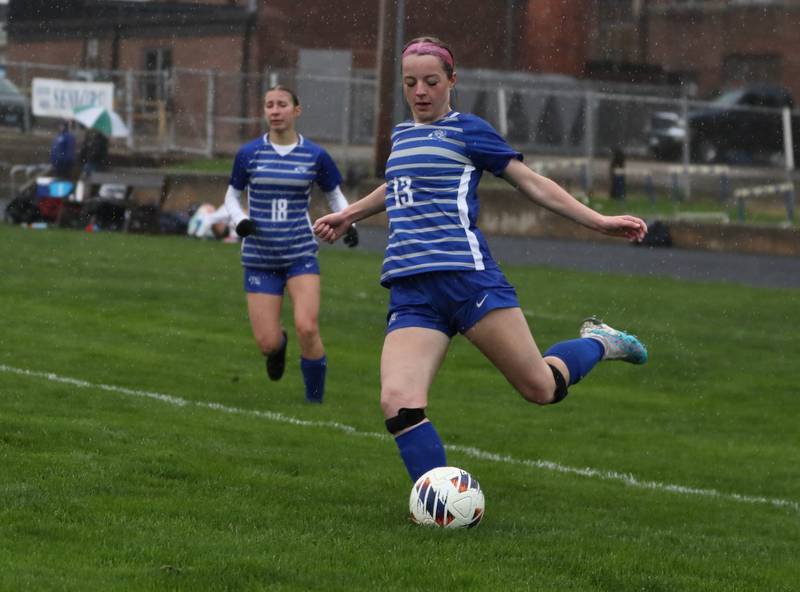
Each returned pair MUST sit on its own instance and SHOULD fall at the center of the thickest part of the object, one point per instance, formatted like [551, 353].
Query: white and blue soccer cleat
[618, 345]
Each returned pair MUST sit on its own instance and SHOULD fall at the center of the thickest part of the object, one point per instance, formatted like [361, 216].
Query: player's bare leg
[265, 319]
[409, 362]
[410, 359]
[504, 338]
[304, 290]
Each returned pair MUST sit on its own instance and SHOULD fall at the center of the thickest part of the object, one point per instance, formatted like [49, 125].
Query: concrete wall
[503, 211]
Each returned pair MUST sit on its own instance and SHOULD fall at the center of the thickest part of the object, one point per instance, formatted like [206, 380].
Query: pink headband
[428, 48]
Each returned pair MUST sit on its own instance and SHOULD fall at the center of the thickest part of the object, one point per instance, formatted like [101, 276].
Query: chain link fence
[211, 113]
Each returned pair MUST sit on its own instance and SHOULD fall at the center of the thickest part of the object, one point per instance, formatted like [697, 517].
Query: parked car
[12, 105]
[741, 125]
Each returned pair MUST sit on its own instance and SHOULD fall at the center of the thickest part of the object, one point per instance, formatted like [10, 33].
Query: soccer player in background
[279, 251]
[438, 268]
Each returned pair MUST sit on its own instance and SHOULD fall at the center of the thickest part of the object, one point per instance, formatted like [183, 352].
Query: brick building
[217, 52]
[114, 35]
[712, 43]
[241, 40]
[535, 35]
[718, 44]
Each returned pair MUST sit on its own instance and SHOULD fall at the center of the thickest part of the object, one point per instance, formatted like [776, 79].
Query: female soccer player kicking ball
[439, 270]
[279, 250]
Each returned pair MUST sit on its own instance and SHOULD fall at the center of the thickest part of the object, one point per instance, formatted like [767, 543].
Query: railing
[209, 113]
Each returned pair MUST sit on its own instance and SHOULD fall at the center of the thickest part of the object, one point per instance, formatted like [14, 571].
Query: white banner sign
[59, 98]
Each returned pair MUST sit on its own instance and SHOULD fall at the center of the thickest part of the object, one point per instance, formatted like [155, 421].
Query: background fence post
[346, 123]
[649, 189]
[788, 148]
[502, 111]
[724, 187]
[130, 141]
[788, 141]
[676, 187]
[210, 130]
[27, 90]
[687, 145]
[589, 141]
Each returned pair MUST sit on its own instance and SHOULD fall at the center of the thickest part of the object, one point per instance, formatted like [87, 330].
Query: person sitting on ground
[210, 222]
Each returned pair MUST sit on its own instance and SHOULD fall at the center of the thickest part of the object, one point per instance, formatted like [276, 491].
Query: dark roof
[57, 18]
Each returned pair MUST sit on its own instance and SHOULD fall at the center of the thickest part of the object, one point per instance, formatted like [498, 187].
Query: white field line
[625, 478]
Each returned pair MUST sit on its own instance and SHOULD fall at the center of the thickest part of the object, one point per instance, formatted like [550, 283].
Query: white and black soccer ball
[447, 497]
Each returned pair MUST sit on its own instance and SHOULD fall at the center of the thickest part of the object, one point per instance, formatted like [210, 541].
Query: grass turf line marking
[476, 453]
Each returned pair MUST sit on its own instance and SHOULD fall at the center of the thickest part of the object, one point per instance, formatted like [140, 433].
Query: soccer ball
[448, 497]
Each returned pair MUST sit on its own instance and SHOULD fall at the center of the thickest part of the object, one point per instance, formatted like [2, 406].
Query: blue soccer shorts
[448, 301]
[273, 281]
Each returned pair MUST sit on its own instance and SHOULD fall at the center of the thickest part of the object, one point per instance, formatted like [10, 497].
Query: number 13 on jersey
[401, 189]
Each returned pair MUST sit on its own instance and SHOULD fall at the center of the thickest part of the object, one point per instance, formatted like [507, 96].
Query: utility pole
[387, 67]
[246, 67]
[640, 13]
[399, 41]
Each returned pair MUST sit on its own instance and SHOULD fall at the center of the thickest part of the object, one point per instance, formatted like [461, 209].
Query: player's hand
[246, 227]
[351, 237]
[331, 227]
[630, 227]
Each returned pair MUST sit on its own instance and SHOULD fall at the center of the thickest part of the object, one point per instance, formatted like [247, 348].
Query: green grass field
[143, 448]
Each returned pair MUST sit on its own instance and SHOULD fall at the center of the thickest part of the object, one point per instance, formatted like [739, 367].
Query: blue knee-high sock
[314, 378]
[579, 355]
[421, 450]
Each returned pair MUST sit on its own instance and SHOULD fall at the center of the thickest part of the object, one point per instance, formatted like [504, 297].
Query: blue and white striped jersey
[431, 180]
[278, 195]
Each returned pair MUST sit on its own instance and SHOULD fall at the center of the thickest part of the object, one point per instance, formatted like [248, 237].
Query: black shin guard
[405, 418]
[561, 385]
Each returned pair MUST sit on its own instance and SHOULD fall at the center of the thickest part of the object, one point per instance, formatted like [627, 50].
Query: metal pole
[740, 212]
[26, 89]
[649, 189]
[169, 117]
[502, 111]
[129, 108]
[210, 94]
[788, 144]
[687, 178]
[346, 123]
[788, 147]
[724, 187]
[589, 141]
[676, 192]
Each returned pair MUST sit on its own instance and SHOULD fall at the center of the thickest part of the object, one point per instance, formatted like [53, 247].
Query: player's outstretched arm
[549, 194]
[244, 225]
[332, 226]
[337, 202]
